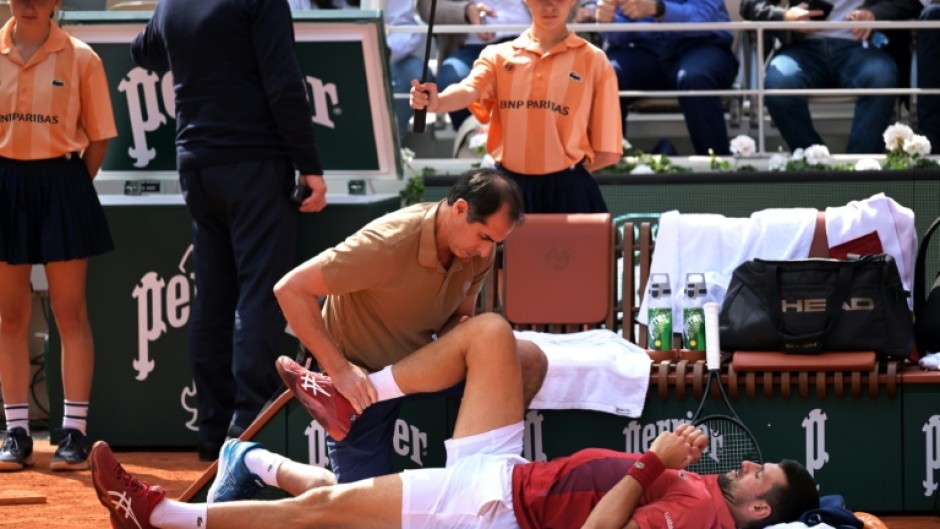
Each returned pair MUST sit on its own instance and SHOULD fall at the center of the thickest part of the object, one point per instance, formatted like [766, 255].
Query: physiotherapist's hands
[317, 199]
[353, 383]
[424, 95]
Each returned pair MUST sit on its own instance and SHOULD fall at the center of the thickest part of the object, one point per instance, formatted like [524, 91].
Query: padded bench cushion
[749, 361]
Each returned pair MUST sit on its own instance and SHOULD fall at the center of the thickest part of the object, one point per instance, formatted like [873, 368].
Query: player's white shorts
[473, 492]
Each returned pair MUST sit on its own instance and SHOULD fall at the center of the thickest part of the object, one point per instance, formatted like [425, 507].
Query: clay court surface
[71, 502]
[70, 498]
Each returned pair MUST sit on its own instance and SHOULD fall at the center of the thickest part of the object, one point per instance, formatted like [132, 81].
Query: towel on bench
[591, 370]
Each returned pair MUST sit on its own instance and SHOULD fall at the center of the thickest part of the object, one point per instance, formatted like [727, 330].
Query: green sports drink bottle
[693, 315]
[659, 313]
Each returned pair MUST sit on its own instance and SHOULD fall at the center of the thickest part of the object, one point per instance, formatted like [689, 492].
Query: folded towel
[592, 370]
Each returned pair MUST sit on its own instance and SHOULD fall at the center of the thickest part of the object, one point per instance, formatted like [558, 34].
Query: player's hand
[681, 448]
[605, 11]
[317, 199]
[353, 383]
[861, 15]
[424, 95]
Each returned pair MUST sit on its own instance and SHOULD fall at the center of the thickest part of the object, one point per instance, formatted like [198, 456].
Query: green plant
[413, 192]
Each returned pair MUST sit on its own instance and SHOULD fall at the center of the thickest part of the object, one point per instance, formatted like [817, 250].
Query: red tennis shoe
[129, 500]
[318, 395]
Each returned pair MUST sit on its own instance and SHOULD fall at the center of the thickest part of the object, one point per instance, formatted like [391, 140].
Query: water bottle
[693, 315]
[659, 315]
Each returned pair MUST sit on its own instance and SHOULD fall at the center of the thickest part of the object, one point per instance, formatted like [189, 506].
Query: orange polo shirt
[548, 111]
[55, 103]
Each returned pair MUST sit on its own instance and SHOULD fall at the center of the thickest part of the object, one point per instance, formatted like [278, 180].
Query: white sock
[385, 384]
[264, 464]
[17, 416]
[76, 415]
[171, 514]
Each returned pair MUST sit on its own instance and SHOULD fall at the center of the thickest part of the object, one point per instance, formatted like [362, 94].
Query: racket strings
[729, 444]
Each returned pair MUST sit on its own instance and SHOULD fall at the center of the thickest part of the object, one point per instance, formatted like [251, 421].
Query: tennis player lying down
[485, 483]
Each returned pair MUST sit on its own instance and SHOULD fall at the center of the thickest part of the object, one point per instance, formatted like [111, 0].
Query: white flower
[407, 155]
[797, 155]
[777, 162]
[642, 169]
[917, 145]
[743, 145]
[896, 135]
[626, 145]
[477, 142]
[488, 161]
[867, 164]
[817, 154]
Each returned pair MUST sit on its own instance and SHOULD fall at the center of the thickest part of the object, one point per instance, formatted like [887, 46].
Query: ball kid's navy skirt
[49, 211]
[571, 190]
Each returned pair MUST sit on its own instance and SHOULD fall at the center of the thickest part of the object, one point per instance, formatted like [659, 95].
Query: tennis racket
[730, 442]
[421, 115]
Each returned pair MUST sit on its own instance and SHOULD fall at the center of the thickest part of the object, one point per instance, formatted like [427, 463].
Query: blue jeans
[402, 72]
[928, 76]
[695, 64]
[831, 63]
[453, 70]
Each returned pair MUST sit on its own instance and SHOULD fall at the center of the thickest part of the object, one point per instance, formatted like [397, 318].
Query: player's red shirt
[559, 494]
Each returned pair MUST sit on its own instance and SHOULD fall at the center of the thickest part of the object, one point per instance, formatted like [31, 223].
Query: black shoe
[208, 451]
[17, 450]
[72, 453]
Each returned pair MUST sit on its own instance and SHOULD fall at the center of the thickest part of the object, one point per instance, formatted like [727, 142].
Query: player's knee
[491, 326]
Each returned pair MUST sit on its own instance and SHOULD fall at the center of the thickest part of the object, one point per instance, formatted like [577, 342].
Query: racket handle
[420, 120]
[712, 342]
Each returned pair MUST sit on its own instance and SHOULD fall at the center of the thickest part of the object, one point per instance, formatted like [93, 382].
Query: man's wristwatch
[660, 9]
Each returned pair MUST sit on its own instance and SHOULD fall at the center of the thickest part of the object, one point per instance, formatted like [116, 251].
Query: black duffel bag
[809, 306]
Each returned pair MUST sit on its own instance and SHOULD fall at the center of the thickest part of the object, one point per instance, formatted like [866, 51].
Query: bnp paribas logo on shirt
[144, 91]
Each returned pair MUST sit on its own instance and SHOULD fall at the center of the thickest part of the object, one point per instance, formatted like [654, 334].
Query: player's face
[480, 238]
[751, 481]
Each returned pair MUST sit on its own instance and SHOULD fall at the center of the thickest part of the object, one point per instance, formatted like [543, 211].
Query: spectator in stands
[928, 75]
[486, 484]
[552, 101]
[55, 123]
[243, 132]
[390, 289]
[678, 60]
[831, 58]
[458, 51]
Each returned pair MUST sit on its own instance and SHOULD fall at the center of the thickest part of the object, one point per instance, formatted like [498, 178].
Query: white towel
[591, 370]
[799, 525]
[715, 245]
[893, 222]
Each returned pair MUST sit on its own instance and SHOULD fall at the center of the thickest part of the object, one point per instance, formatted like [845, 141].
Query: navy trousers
[928, 76]
[244, 237]
[697, 64]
